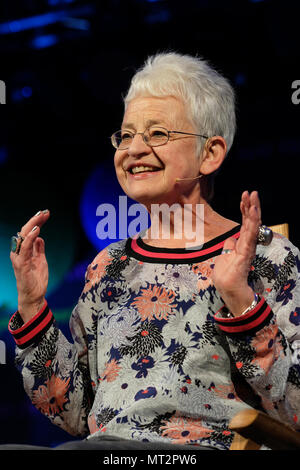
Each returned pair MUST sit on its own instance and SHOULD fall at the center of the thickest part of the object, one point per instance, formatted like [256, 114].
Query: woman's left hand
[231, 270]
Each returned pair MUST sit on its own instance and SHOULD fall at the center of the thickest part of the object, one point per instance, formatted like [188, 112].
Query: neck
[184, 225]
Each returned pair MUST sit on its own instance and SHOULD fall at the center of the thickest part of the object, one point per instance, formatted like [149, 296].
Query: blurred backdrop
[65, 65]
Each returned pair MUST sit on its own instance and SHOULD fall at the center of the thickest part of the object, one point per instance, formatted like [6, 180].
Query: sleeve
[30, 332]
[265, 342]
[56, 372]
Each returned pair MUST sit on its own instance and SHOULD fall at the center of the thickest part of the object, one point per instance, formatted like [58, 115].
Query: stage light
[38, 21]
[20, 94]
[26, 91]
[58, 2]
[102, 193]
[41, 42]
[101, 187]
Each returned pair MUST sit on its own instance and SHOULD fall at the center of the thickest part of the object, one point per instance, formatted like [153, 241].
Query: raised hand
[31, 267]
[230, 274]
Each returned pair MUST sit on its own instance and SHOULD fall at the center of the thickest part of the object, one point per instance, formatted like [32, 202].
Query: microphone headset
[188, 179]
[197, 177]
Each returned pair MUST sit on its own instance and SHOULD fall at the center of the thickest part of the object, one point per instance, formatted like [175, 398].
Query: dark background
[65, 74]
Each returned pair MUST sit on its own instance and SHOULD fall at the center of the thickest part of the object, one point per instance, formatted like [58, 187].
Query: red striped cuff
[31, 331]
[249, 323]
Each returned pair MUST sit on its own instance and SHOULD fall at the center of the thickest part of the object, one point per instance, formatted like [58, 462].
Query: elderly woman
[172, 337]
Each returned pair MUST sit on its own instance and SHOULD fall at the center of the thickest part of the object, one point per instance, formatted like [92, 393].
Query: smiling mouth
[142, 169]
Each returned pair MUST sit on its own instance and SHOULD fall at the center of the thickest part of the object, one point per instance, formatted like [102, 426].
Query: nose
[138, 146]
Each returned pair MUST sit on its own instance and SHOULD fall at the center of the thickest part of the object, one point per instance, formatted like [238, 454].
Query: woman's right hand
[31, 267]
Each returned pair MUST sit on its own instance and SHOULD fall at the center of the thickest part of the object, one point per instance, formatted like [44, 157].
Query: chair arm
[263, 429]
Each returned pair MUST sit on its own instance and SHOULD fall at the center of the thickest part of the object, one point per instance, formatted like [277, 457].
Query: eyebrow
[149, 123]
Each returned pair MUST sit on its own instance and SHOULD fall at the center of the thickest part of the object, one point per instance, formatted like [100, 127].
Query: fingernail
[45, 211]
[38, 213]
[34, 228]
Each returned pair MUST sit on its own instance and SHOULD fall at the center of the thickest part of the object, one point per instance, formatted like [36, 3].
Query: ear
[213, 155]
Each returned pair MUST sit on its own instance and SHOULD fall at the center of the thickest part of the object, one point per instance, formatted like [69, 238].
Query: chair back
[283, 229]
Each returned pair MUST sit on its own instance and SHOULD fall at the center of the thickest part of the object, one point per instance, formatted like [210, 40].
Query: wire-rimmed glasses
[153, 136]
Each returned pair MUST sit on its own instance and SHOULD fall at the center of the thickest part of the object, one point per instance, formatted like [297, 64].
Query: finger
[255, 201]
[247, 202]
[247, 241]
[245, 205]
[38, 219]
[26, 251]
[253, 221]
[38, 247]
[230, 244]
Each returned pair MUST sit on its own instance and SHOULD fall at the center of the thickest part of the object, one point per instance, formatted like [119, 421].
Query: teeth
[140, 169]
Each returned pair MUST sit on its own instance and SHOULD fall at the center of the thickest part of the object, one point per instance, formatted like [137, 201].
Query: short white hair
[208, 96]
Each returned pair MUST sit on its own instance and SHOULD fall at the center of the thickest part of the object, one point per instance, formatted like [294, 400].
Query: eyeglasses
[154, 137]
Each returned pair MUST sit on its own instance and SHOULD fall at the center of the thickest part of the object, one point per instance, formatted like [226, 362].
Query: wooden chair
[253, 428]
[283, 229]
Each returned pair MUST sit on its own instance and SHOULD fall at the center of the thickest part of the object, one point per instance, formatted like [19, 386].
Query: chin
[149, 194]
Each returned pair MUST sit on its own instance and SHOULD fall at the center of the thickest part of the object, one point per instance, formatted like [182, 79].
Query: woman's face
[176, 159]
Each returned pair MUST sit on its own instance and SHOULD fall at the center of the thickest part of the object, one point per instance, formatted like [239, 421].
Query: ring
[265, 235]
[225, 251]
[16, 242]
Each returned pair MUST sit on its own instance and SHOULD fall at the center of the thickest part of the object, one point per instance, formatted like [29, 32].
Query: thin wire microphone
[188, 179]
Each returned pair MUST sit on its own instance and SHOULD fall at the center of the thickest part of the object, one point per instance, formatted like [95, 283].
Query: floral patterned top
[155, 359]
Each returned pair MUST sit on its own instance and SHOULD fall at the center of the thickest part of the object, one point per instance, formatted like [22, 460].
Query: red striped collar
[137, 248]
